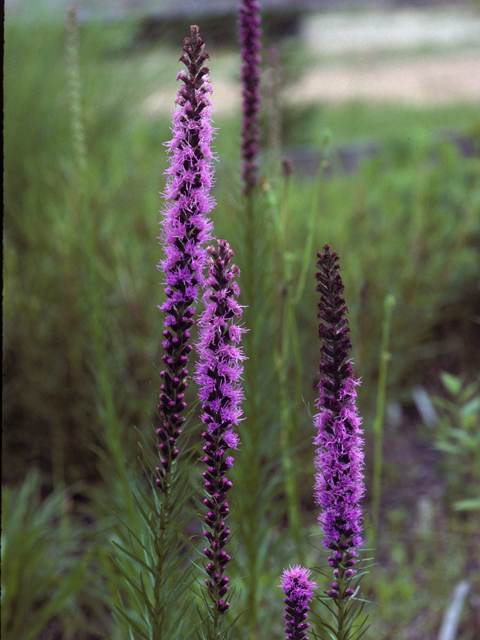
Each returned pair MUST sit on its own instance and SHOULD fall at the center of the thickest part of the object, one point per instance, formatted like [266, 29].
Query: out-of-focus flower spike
[249, 39]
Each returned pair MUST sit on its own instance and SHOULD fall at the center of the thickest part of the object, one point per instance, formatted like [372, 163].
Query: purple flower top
[218, 374]
[339, 485]
[186, 229]
[249, 39]
[297, 584]
[298, 588]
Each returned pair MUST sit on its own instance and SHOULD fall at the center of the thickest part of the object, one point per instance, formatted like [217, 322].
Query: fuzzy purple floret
[297, 584]
[249, 39]
[218, 374]
[186, 230]
[298, 588]
[339, 484]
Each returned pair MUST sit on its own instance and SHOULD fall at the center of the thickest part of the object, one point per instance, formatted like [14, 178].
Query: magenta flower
[339, 483]
[249, 39]
[299, 590]
[218, 374]
[186, 229]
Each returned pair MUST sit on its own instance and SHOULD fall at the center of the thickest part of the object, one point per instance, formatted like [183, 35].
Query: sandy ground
[374, 57]
[439, 79]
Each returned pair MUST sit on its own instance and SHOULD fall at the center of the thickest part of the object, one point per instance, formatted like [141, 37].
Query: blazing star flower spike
[298, 588]
[219, 374]
[186, 230]
[339, 485]
[249, 39]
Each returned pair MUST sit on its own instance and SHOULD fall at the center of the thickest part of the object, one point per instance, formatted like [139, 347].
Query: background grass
[406, 222]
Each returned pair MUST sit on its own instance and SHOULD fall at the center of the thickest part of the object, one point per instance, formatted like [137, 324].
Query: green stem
[216, 630]
[287, 416]
[307, 257]
[161, 556]
[389, 304]
[341, 615]
[343, 611]
[250, 427]
[288, 342]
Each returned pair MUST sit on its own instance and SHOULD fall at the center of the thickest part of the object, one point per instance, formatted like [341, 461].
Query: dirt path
[439, 79]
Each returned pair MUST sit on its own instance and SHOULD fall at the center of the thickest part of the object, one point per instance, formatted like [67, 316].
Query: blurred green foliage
[406, 223]
[46, 582]
[459, 438]
[47, 338]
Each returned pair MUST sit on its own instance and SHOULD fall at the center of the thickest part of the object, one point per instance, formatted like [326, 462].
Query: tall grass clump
[111, 449]
[54, 379]
[43, 569]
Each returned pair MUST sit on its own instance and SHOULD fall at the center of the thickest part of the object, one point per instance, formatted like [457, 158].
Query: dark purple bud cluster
[333, 330]
[186, 229]
[249, 39]
[339, 484]
[218, 374]
[343, 574]
[298, 588]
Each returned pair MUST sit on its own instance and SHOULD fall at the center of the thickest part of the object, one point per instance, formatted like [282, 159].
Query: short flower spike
[298, 588]
[339, 485]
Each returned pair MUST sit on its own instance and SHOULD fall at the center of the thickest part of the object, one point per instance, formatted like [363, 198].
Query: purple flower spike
[339, 484]
[186, 229]
[299, 590]
[249, 39]
[218, 374]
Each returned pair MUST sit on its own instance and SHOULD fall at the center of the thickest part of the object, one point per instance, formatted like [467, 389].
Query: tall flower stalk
[249, 38]
[258, 508]
[164, 573]
[339, 484]
[218, 373]
[186, 229]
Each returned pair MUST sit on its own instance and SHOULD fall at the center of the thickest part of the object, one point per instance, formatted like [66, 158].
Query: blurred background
[382, 99]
